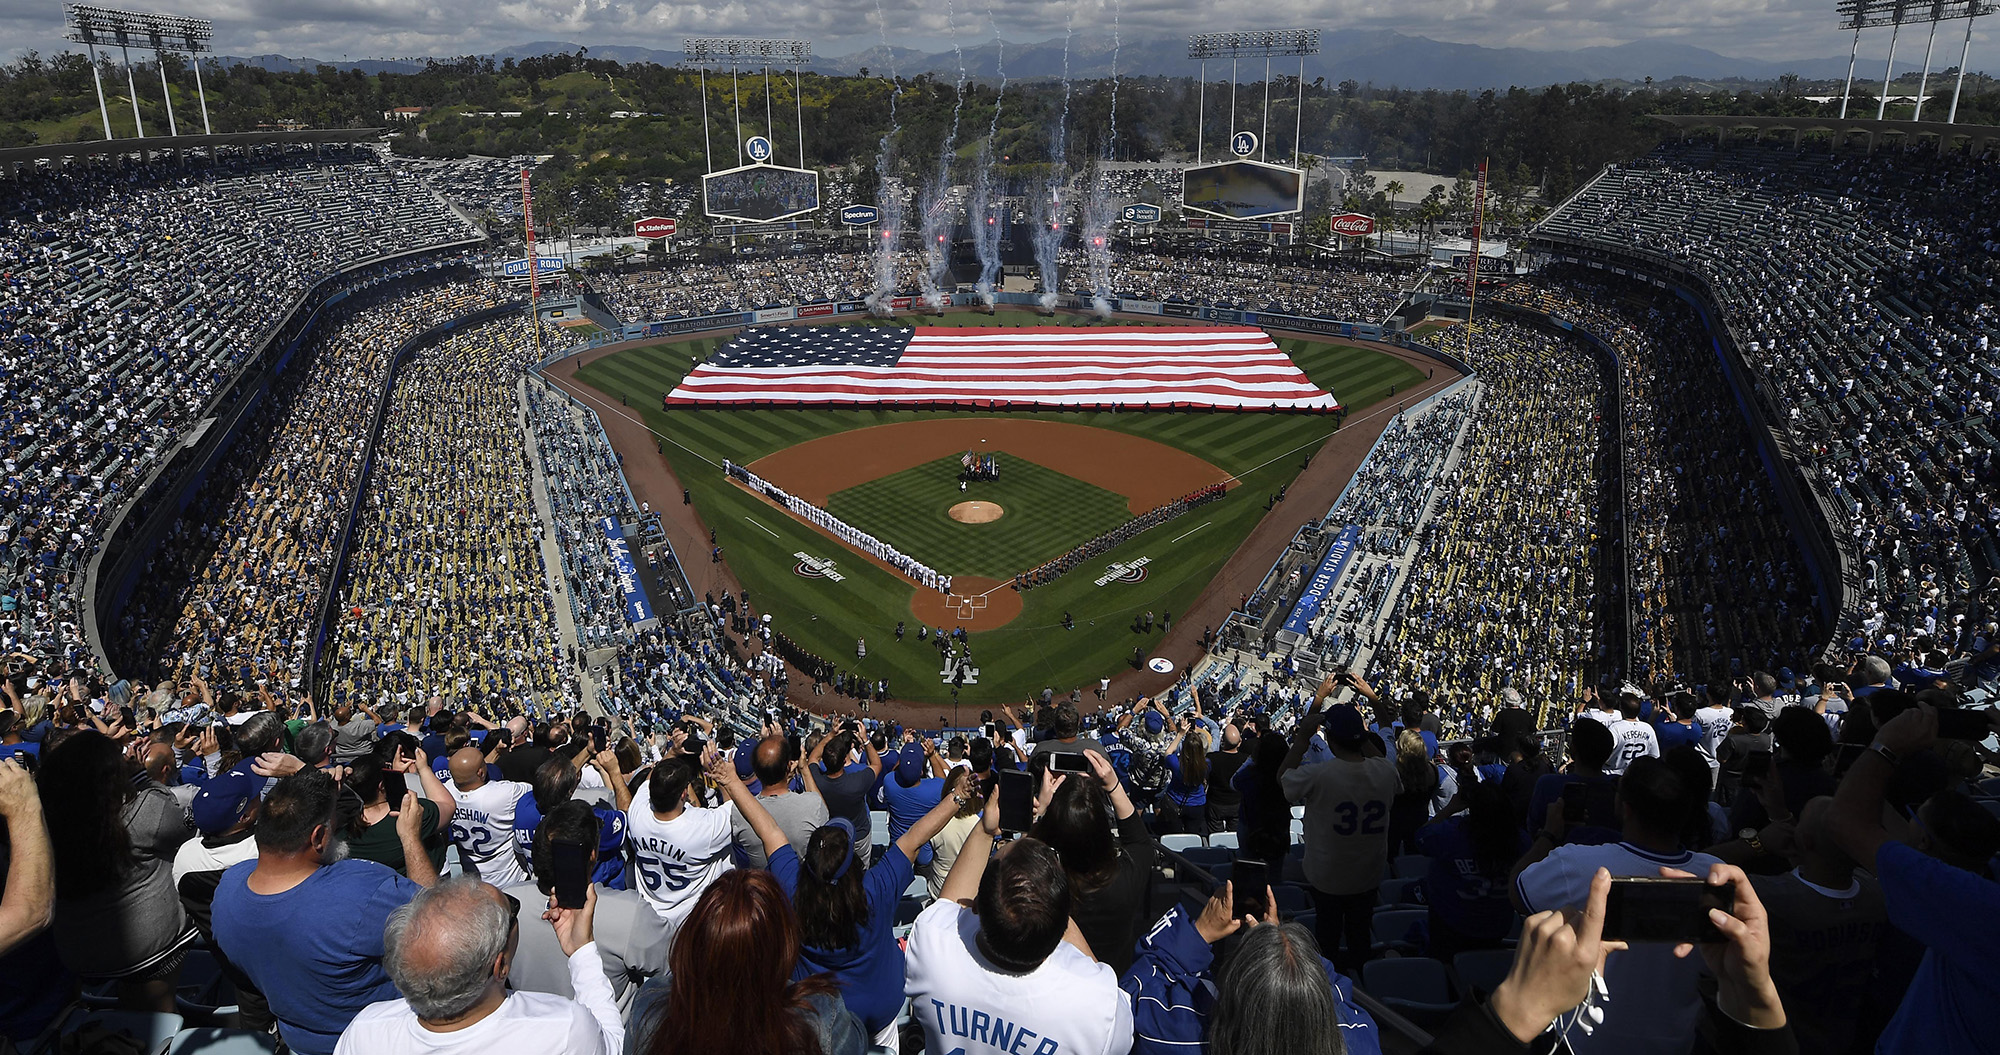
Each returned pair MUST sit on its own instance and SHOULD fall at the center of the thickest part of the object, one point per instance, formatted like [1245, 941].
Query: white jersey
[483, 830]
[677, 859]
[1631, 739]
[1715, 723]
[1070, 1004]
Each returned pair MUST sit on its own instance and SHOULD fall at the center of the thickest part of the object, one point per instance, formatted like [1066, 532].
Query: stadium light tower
[1867, 14]
[737, 52]
[92, 26]
[1254, 43]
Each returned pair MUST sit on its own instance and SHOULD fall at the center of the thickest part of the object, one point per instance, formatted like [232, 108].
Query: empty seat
[1413, 985]
[1402, 930]
[1399, 893]
[1180, 841]
[1481, 970]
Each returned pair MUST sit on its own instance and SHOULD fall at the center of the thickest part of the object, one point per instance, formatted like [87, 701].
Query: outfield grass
[1047, 513]
[1264, 450]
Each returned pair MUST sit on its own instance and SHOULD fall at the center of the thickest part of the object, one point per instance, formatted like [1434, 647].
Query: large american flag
[1156, 366]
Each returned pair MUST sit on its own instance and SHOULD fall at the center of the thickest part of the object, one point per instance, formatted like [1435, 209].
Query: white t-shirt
[482, 827]
[539, 1022]
[677, 859]
[1630, 739]
[1653, 1006]
[1071, 1004]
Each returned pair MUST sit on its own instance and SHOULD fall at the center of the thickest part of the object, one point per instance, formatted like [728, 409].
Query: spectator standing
[354, 725]
[995, 964]
[271, 915]
[630, 937]
[1653, 1006]
[912, 791]
[845, 785]
[1107, 872]
[1183, 803]
[449, 950]
[1223, 799]
[1826, 920]
[482, 824]
[1347, 801]
[373, 834]
[799, 813]
[1631, 736]
[962, 785]
[117, 914]
[1472, 854]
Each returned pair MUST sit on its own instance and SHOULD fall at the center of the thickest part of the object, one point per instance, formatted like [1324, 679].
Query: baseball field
[1064, 477]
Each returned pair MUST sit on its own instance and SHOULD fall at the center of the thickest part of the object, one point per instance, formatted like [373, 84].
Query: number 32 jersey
[676, 860]
[483, 830]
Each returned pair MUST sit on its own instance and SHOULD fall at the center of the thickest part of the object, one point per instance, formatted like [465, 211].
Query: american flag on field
[1157, 366]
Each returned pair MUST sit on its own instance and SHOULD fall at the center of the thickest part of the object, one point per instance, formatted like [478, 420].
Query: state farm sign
[1351, 224]
[655, 227]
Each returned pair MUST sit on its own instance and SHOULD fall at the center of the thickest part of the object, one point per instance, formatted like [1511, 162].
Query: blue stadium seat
[1482, 970]
[1405, 930]
[1416, 986]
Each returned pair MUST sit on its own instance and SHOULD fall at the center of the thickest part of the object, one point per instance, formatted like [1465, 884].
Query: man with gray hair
[449, 950]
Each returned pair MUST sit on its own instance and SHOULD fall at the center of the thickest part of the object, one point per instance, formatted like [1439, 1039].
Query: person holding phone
[1347, 800]
[1654, 1007]
[1275, 992]
[1108, 872]
[631, 940]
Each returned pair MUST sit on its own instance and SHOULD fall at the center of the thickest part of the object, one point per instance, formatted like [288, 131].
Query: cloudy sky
[332, 29]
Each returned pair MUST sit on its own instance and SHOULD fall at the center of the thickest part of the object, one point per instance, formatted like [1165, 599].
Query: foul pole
[1478, 225]
[534, 264]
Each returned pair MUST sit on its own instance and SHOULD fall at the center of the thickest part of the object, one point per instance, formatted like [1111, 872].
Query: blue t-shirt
[908, 805]
[870, 972]
[1953, 1003]
[1182, 794]
[315, 950]
[1470, 901]
[1674, 734]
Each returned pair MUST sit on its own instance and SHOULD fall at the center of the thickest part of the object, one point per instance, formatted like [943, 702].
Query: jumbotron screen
[760, 193]
[1243, 190]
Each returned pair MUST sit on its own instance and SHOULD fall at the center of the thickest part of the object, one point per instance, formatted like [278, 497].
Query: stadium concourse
[355, 713]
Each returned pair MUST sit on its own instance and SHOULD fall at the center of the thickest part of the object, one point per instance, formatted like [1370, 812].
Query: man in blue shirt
[306, 926]
[913, 791]
[1953, 1004]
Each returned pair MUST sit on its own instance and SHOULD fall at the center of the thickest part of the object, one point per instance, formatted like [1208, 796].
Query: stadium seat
[205, 1041]
[1206, 857]
[1411, 866]
[919, 887]
[1292, 899]
[1180, 841]
[1414, 985]
[203, 993]
[1223, 839]
[1482, 970]
[152, 1031]
[1399, 893]
[908, 909]
[1403, 930]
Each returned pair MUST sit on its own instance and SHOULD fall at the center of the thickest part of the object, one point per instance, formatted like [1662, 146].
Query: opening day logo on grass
[811, 567]
[1121, 572]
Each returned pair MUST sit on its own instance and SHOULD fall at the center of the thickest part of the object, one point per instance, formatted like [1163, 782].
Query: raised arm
[874, 756]
[29, 902]
[606, 762]
[722, 773]
[962, 883]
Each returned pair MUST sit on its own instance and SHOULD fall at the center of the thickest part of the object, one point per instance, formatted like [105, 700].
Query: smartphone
[1576, 803]
[1755, 765]
[1068, 762]
[1652, 909]
[1017, 800]
[572, 868]
[1250, 883]
[1957, 724]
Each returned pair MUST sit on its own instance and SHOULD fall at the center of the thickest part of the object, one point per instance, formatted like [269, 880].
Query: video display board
[1243, 190]
[759, 193]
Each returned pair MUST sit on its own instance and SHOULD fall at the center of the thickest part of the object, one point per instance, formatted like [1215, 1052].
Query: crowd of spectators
[1860, 292]
[1714, 572]
[1509, 584]
[447, 591]
[585, 486]
[236, 586]
[1182, 871]
[106, 364]
[1333, 289]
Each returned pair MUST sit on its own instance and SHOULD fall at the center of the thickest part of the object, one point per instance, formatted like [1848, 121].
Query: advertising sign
[1322, 583]
[1351, 224]
[637, 608]
[1243, 144]
[776, 314]
[860, 215]
[518, 268]
[809, 311]
[656, 227]
[1140, 213]
[757, 149]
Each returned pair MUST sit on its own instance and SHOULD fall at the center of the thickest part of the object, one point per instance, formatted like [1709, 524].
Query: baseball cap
[1155, 723]
[225, 798]
[910, 768]
[1344, 725]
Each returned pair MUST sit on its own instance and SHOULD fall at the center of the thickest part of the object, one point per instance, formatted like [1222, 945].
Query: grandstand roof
[10, 156]
[1979, 135]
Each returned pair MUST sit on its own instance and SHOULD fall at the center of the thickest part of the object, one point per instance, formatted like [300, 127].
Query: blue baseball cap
[1344, 725]
[911, 768]
[1155, 723]
[226, 798]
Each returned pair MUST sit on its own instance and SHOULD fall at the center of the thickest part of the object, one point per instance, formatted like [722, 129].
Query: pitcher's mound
[977, 512]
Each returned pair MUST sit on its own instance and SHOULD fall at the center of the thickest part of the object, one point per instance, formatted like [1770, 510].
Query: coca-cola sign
[1351, 224]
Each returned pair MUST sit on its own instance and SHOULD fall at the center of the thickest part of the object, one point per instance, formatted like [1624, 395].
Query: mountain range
[1383, 58]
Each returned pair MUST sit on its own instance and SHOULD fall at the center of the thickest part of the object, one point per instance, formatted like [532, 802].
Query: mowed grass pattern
[1047, 513]
[1265, 450]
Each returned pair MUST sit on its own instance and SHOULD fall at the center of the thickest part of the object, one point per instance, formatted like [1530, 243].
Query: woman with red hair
[731, 987]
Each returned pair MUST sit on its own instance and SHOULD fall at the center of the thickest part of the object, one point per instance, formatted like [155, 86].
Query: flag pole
[534, 265]
[1478, 223]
